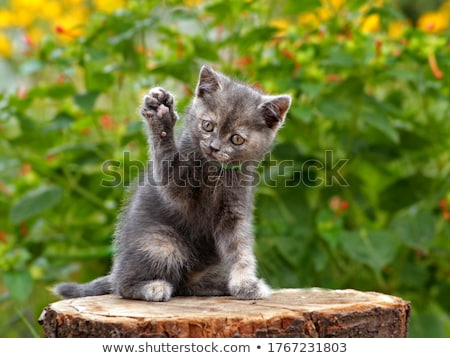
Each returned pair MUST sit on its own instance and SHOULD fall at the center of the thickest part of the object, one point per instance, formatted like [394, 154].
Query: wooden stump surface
[311, 312]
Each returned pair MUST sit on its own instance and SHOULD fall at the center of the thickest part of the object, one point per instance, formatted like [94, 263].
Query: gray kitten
[187, 229]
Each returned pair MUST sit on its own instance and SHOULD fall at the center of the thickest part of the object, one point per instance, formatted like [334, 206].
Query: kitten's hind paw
[251, 289]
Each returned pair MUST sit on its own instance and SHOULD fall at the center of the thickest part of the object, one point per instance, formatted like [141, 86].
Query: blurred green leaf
[255, 36]
[295, 7]
[374, 248]
[416, 228]
[86, 101]
[35, 202]
[381, 122]
[79, 147]
[61, 90]
[329, 226]
[427, 324]
[19, 284]
[61, 121]
[311, 88]
[11, 128]
[304, 114]
[443, 295]
[334, 110]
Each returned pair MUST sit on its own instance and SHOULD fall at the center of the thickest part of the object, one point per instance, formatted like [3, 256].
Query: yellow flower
[321, 14]
[370, 5]
[192, 3]
[334, 4]
[22, 17]
[35, 34]
[6, 18]
[433, 22]
[52, 10]
[109, 6]
[71, 25]
[75, 2]
[31, 5]
[324, 14]
[26, 11]
[308, 19]
[371, 24]
[281, 24]
[397, 28]
[5, 46]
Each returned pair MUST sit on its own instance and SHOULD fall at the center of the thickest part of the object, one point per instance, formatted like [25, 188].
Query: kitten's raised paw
[158, 110]
[156, 97]
[157, 291]
[250, 289]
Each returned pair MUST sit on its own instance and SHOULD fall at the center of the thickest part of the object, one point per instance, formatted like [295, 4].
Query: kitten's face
[232, 122]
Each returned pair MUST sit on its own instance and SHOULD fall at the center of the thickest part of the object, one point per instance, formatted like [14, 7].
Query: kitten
[187, 229]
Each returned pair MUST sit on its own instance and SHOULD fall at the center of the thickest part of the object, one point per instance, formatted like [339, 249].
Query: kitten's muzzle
[214, 146]
[212, 152]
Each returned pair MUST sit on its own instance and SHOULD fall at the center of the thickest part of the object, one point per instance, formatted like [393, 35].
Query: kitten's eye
[236, 139]
[207, 126]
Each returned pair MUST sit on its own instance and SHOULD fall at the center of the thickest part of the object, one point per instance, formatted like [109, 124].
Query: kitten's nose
[215, 145]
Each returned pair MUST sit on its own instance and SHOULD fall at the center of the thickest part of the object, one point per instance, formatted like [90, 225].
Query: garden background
[370, 82]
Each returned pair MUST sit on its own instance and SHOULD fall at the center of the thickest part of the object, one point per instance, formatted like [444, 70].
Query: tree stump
[310, 313]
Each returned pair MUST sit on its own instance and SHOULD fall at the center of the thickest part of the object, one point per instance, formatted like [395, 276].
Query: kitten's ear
[274, 110]
[208, 82]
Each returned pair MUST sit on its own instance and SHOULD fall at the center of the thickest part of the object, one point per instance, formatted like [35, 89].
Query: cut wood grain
[311, 312]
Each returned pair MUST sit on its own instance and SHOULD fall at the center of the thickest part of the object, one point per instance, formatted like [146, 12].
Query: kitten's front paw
[250, 289]
[157, 291]
[158, 110]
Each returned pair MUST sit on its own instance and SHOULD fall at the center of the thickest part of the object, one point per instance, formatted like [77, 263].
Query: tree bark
[311, 313]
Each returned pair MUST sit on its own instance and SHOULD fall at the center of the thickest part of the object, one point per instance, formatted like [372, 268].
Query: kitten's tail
[100, 286]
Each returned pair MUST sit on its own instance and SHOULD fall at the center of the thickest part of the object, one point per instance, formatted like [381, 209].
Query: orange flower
[23, 229]
[26, 169]
[107, 122]
[437, 73]
[4, 189]
[333, 77]
[50, 158]
[244, 61]
[445, 209]
[338, 206]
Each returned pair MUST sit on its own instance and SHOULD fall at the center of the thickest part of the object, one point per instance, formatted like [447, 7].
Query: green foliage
[358, 198]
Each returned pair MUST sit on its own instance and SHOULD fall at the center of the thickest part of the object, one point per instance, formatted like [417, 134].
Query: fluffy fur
[187, 229]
